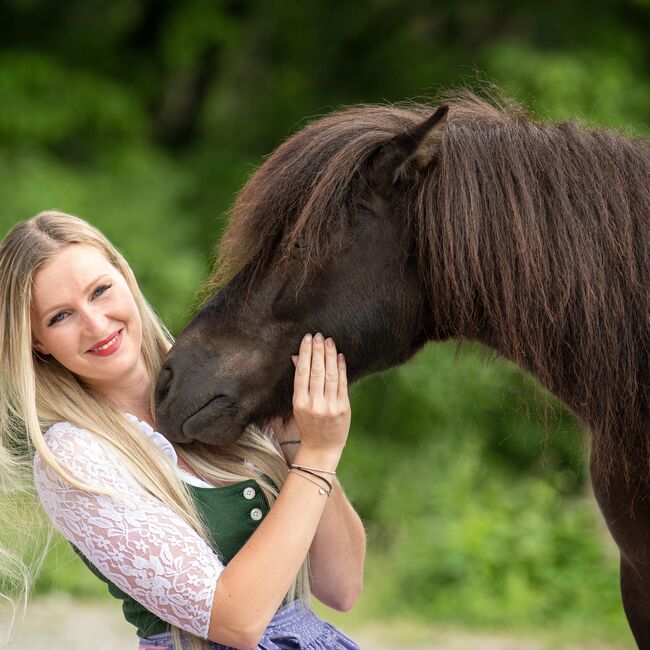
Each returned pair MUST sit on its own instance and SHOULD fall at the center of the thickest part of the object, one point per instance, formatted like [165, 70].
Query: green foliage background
[146, 117]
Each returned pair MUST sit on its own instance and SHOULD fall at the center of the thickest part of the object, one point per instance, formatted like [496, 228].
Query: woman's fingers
[331, 372]
[320, 399]
[320, 372]
[301, 377]
[343, 378]
[317, 374]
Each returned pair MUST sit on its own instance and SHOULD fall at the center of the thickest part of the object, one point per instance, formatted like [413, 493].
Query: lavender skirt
[294, 627]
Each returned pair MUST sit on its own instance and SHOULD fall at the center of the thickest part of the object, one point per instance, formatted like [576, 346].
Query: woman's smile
[108, 345]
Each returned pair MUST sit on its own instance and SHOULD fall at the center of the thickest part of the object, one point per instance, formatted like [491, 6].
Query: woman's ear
[38, 346]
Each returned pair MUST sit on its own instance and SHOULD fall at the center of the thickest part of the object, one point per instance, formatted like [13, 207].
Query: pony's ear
[415, 148]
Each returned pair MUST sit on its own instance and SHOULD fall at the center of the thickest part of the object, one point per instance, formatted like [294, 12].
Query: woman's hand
[321, 407]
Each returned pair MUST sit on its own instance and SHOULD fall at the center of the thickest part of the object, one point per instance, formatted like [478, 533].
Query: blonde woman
[205, 547]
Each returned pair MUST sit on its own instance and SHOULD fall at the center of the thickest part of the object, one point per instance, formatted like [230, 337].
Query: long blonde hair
[36, 393]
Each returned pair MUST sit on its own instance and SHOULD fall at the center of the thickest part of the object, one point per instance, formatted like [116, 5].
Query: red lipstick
[109, 345]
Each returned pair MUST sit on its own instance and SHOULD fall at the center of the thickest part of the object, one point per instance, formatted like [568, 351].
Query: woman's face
[84, 315]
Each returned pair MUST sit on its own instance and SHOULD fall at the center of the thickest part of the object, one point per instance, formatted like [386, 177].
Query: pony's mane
[300, 196]
[533, 237]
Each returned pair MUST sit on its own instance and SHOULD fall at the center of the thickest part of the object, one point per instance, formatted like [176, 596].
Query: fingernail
[329, 343]
[307, 337]
[341, 357]
[318, 338]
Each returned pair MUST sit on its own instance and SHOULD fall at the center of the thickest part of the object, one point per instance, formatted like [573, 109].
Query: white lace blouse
[148, 551]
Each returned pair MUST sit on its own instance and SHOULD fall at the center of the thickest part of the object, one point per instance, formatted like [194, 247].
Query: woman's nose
[95, 324]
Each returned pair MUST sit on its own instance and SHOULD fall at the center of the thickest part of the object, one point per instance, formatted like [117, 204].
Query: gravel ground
[63, 623]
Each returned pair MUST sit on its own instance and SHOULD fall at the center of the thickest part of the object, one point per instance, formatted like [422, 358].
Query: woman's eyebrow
[51, 309]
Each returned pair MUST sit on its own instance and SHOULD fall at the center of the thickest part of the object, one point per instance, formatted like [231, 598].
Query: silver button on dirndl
[256, 514]
[249, 493]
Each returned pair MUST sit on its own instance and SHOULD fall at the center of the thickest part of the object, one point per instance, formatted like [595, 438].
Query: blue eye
[100, 290]
[57, 319]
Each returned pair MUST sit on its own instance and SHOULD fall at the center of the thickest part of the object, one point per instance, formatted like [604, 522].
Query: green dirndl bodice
[231, 514]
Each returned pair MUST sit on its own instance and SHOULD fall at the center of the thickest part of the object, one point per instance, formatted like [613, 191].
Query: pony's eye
[299, 246]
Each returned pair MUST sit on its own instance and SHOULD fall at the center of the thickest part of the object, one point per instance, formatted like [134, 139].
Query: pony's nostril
[163, 385]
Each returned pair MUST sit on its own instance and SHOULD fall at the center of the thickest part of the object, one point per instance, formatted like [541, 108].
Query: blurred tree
[145, 117]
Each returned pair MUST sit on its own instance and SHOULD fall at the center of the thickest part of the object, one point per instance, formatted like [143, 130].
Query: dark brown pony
[387, 227]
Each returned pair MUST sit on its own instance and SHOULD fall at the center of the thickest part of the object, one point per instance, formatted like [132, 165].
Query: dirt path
[63, 623]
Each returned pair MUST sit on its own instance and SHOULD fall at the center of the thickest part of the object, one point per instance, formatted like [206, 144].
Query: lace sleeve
[148, 551]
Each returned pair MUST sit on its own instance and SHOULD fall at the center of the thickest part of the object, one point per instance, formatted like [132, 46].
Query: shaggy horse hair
[478, 222]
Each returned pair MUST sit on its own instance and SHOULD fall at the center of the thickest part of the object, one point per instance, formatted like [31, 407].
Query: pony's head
[385, 227]
[322, 238]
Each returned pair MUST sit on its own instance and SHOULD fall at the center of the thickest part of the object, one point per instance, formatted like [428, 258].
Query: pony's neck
[538, 251]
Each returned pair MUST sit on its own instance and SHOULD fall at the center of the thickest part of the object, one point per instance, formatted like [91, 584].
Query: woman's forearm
[252, 586]
[337, 554]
